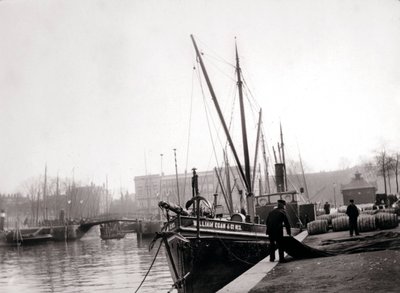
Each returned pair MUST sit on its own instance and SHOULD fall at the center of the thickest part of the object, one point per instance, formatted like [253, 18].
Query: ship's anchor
[179, 283]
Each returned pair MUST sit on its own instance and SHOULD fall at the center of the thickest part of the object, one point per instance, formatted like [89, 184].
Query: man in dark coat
[275, 221]
[352, 212]
[327, 208]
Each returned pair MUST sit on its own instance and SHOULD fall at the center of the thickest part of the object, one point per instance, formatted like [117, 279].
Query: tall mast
[228, 182]
[176, 175]
[249, 195]
[106, 194]
[267, 190]
[273, 149]
[216, 104]
[283, 157]
[57, 192]
[304, 179]
[45, 192]
[279, 153]
[256, 151]
[221, 184]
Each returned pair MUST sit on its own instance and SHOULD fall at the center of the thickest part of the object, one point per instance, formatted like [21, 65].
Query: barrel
[386, 220]
[325, 217]
[388, 210]
[369, 212]
[366, 223]
[317, 227]
[340, 223]
[336, 215]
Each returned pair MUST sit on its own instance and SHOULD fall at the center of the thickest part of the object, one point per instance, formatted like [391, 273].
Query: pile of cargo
[369, 220]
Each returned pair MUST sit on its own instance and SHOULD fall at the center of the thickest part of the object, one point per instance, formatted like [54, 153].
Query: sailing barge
[205, 253]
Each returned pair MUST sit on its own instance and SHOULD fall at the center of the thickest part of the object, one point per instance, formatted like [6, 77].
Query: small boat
[111, 231]
[28, 236]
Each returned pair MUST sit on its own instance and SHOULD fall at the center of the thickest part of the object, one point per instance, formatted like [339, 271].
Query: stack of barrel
[369, 220]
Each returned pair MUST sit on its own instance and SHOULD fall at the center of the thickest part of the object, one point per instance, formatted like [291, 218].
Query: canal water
[86, 265]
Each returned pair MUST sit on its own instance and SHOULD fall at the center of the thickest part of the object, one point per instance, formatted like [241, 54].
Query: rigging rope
[208, 120]
[148, 271]
[190, 125]
[216, 56]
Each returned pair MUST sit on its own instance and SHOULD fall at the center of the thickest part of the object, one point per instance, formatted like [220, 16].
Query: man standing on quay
[352, 212]
[275, 221]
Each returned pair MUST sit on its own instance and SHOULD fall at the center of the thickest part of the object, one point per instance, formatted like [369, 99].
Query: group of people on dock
[277, 219]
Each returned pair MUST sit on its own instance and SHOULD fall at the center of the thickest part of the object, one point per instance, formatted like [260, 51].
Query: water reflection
[87, 265]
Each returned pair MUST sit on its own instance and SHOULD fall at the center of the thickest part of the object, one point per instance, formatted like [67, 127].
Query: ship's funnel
[280, 177]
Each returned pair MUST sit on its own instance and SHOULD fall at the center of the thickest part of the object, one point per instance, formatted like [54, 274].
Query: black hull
[218, 256]
[34, 235]
[212, 263]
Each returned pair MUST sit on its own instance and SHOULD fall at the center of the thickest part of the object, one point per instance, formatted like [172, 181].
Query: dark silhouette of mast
[249, 195]
[267, 187]
[214, 98]
[283, 158]
[256, 150]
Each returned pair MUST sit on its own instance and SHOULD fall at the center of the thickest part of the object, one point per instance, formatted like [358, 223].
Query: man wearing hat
[275, 221]
[352, 212]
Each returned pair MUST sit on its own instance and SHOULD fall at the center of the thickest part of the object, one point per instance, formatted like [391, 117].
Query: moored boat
[111, 231]
[27, 236]
[204, 252]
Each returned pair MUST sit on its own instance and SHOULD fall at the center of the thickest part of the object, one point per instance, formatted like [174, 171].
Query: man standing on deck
[275, 221]
[352, 212]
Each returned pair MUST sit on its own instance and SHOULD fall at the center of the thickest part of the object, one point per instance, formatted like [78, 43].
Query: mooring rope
[148, 271]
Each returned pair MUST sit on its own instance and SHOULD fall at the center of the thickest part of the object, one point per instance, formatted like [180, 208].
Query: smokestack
[279, 177]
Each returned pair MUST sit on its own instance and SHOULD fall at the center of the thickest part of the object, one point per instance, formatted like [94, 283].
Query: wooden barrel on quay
[366, 223]
[317, 227]
[388, 211]
[386, 220]
[340, 223]
[369, 212]
[325, 218]
[336, 215]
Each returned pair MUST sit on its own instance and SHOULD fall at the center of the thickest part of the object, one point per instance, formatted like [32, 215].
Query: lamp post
[69, 209]
[81, 208]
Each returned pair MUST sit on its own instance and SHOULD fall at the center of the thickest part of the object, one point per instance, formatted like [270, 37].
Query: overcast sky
[102, 88]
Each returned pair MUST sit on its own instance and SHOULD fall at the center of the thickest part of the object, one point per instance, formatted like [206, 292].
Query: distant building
[359, 190]
[150, 189]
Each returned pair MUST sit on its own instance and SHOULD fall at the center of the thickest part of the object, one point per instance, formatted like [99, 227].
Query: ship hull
[209, 262]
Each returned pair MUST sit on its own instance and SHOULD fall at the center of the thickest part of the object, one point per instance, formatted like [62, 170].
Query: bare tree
[390, 168]
[396, 170]
[32, 188]
[381, 167]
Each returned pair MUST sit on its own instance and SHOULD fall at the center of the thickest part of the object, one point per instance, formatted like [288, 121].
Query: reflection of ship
[111, 231]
